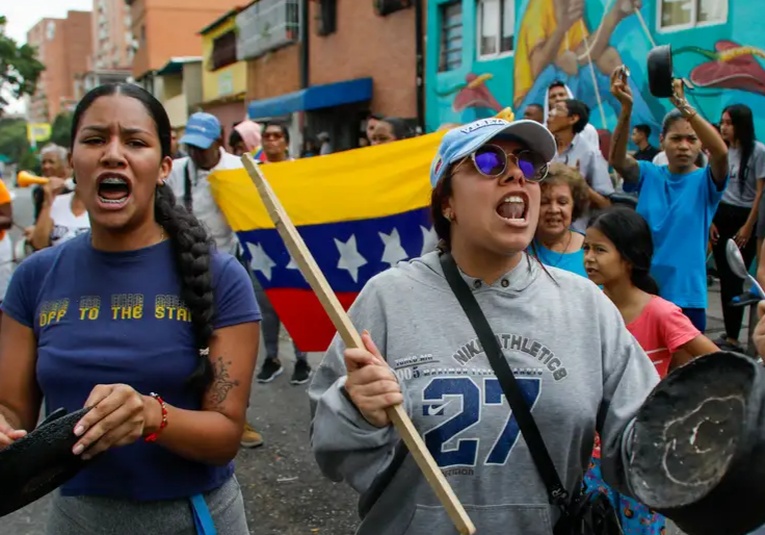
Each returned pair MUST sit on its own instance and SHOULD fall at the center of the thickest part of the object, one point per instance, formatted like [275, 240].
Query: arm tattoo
[222, 383]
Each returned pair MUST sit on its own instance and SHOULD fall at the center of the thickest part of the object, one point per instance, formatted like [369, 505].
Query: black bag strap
[187, 202]
[544, 463]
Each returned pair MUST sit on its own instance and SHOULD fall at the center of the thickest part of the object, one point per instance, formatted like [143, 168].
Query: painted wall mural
[485, 55]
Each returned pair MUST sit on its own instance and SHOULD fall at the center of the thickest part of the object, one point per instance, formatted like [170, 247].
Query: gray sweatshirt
[579, 367]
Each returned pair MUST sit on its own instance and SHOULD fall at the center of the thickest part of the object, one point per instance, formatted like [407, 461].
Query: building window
[495, 27]
[267, 25]
[224, 50]
[451, 36]
[684, 14]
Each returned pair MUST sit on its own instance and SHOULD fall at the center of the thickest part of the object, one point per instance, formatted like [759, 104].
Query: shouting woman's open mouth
[113, 190]
[513, 209]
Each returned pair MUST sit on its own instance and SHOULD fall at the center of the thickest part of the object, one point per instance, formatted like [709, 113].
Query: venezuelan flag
[359, 212]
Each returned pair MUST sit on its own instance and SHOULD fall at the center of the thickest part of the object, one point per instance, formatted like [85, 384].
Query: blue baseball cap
[202, 130]
[464, 140]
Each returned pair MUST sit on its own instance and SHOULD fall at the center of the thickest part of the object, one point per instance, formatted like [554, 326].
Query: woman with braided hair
[156, 332]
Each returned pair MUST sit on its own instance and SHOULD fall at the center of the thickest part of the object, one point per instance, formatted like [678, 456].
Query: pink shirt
[661, 329]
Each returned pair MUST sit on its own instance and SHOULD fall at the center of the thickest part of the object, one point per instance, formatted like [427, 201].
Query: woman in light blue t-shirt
[678, 200]
[564, 199]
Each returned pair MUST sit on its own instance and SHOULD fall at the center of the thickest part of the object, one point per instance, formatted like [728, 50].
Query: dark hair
[280, 126]
[671, 118]
[190, 241]
[400, 127]
[234, 137]
[442, 226]
[743, 130]
[535, 105]
[580, 109]
[560, 173]
[631, 236]
[556, 83]
[644, 128]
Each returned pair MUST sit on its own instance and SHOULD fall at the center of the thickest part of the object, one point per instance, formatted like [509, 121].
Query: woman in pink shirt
[617, 255]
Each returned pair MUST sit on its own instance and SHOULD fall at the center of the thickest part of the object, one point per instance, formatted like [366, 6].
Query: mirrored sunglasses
[492, 161]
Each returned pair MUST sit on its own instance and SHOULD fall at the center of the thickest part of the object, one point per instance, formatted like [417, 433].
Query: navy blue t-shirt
[105, 318]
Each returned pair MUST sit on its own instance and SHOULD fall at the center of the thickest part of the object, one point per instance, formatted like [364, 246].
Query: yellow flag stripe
[347, 186]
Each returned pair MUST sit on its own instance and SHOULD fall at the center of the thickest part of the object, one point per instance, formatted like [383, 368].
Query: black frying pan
[39, 463]
[660, 75]
[698, 447]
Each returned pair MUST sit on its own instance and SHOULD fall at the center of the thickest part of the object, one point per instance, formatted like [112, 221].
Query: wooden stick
[312, 273]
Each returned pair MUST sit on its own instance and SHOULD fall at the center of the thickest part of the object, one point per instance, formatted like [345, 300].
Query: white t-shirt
[66, 225]
[202, 201]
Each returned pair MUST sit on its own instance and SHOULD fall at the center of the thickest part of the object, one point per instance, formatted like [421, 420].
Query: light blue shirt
[573, 262]
[679, 209]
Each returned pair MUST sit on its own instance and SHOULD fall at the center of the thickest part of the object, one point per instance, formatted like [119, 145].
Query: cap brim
[195, 140]
[531, 133]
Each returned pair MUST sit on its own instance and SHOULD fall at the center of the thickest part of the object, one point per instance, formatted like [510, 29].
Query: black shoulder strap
[187, 202]
[544, 463]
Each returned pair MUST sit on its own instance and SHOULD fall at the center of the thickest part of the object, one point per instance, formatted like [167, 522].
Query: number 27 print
[436, 396]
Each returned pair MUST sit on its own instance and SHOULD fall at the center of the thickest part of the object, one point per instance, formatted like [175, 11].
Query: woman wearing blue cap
[575, 364]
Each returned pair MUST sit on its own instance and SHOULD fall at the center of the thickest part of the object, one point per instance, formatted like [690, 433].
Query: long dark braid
[192, 246]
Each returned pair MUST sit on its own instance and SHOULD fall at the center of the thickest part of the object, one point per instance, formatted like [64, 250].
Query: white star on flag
[292, 264]
[260, 260]
[350, 259]
[429, 240]
[393, 251]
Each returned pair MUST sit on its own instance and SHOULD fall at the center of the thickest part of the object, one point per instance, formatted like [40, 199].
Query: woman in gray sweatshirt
[580, 369]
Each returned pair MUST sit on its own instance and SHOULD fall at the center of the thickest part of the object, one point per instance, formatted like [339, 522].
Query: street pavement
[284, 492]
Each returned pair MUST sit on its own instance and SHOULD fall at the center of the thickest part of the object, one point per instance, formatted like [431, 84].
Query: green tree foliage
[61, 129]
[14, 143]
[19, 67]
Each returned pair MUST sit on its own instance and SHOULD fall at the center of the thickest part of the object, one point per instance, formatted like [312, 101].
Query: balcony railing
[267, 25]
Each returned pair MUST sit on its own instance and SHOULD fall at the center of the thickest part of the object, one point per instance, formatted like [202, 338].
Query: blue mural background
[493, 79]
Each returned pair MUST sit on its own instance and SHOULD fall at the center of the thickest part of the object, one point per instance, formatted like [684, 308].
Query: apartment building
[113, 46]
[64, 46]
[164, 29]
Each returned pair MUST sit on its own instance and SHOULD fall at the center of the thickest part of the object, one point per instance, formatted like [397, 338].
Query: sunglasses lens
[490, 161]
[527, 167]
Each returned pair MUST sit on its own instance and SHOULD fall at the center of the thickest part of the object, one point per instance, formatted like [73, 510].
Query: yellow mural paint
[733, 53]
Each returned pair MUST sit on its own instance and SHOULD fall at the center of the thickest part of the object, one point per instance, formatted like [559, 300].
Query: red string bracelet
[153, 437]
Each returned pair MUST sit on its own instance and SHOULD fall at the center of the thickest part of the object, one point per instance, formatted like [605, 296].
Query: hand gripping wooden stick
[310, 270]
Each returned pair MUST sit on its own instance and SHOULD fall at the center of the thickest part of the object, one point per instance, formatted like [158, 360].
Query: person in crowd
[188, 180]
[640, 137]
[564, 199]
[581, 372]
[276, 139]
[245, 138]
[390, 129]
[175, 149]
[534, 112]
[62, 217]
[371, 124]
[737, 215]
[6, 243]
[678, 200]
[55, 167]
[176, 321]
[618, 250]
[557, 92]
[325, 144]
[566, 121]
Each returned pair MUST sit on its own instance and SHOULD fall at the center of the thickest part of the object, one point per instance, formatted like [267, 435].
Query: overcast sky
[23, 14]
